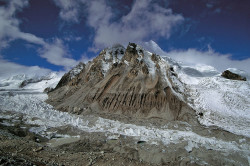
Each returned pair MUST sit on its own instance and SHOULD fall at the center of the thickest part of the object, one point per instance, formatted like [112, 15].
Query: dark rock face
[135, 84]
[48, 89]
[33, 80]
[71, 78]
[29, 81]
[24, 83]
[230, 75]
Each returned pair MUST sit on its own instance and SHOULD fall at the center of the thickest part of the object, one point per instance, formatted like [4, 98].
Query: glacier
[218, 102]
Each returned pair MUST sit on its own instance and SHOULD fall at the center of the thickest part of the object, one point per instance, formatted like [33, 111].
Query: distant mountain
[35, 82]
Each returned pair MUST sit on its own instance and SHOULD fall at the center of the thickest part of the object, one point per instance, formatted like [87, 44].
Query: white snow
[240, 72]
[224, 103]
[76, 70]
[165, 63]
[36, 111]
[147, 58]
[6, 123]
[13, 81]
[176, 86]
[190, 146]
[112, 55]
[52, 81]
[46, 117]
[40, 84]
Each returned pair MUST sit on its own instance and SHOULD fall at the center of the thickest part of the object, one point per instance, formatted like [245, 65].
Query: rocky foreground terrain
[20, 146]
[127, 106]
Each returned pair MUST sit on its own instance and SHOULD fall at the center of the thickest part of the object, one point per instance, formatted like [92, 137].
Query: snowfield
[30, 103]
[221, 102]
[224, 103]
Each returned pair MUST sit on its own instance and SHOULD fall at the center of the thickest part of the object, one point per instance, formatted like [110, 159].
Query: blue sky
[54, 35]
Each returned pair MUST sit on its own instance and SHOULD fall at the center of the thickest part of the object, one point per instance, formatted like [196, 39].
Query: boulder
[233, 76]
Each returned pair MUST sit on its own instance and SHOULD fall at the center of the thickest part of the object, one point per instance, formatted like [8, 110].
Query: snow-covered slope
[13, 81]
[221, 102]
[111, 55]
[31, 107]
[38, 83]
[218, 101]
[76, 70]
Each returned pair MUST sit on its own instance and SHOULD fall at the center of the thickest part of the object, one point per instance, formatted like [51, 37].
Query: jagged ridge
[130, 81]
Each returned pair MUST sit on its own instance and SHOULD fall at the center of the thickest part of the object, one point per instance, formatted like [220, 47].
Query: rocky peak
[112, 54]
[131, 52]
[107, 57]
[134, 57]
[131, 80]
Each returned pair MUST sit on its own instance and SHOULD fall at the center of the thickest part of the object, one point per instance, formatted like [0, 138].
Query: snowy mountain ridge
[221, 102]
[217, 101]
[38, 82]
[111, 55]
[76, 70]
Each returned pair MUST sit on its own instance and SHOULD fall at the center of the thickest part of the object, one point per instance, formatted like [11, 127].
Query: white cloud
[192, 56]
[210, 57]
[56, 54]
[8, 69]
[145, 19]
[9, 24]
[31, 38]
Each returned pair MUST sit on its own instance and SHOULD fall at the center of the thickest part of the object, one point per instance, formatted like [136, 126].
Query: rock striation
[129, 81]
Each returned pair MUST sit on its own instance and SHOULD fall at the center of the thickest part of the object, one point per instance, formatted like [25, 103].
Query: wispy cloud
[69, 10]
[85, 58]
[209, 5]
[72, 38]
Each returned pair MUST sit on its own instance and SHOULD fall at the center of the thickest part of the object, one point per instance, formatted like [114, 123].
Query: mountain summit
[129, 81]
